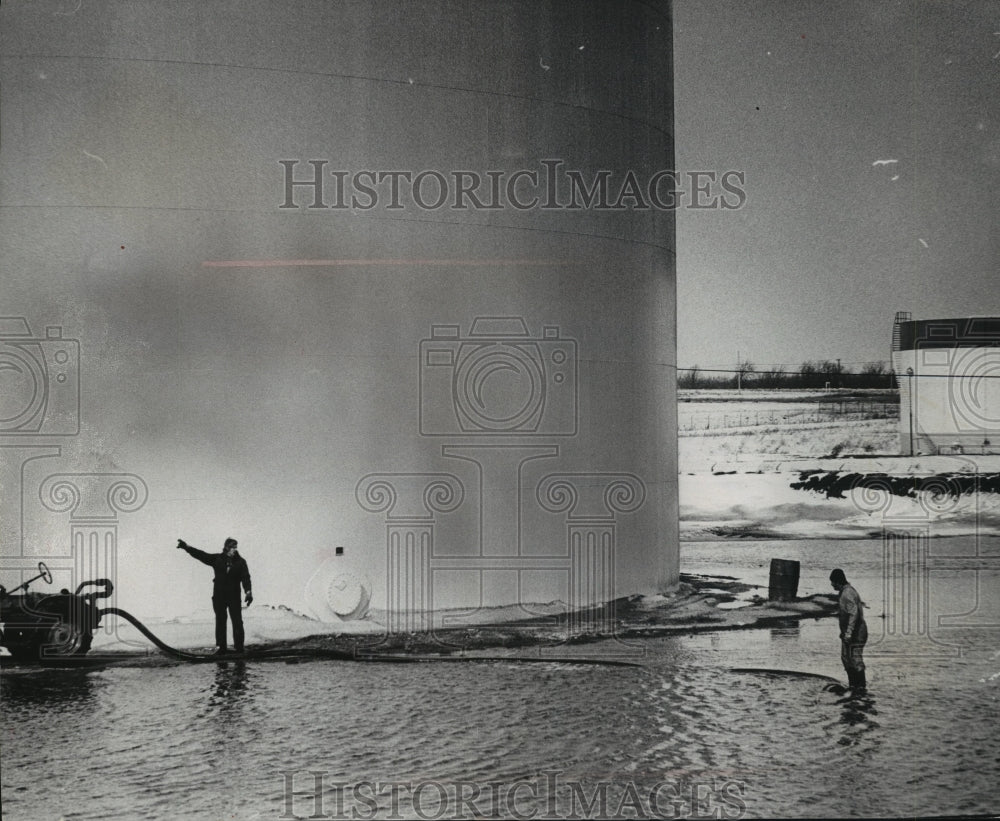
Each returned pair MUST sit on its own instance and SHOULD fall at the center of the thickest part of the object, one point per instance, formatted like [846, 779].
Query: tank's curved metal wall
[476, 402]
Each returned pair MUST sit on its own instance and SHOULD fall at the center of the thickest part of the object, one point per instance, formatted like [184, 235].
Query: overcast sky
[811, 100]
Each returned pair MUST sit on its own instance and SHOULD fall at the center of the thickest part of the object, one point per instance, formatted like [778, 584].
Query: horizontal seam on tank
[340, 76]
[317, 213]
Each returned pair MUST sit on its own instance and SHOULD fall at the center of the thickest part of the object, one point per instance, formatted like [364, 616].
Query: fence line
[859, 411]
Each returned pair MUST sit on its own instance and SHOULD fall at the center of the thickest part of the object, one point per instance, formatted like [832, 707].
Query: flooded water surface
[681, 734]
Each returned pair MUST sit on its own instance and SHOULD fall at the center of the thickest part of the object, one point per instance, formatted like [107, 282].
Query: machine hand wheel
[43, 573]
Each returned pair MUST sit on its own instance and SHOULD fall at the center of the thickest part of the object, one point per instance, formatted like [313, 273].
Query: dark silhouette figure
[853, 631]
[231, 572]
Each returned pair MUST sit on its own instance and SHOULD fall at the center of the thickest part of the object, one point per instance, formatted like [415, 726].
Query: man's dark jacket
[230, 573]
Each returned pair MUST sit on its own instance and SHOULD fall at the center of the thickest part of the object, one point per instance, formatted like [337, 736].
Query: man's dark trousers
[232, 606]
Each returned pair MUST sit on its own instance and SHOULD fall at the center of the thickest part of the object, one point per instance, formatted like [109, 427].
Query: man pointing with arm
[231, 572]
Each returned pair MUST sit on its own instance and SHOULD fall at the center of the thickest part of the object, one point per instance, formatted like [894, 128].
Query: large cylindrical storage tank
[383, 276]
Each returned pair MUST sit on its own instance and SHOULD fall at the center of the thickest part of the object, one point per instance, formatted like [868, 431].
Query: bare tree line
[813, 374]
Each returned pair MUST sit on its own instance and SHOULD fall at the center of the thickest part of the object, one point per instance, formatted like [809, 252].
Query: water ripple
[202, 740]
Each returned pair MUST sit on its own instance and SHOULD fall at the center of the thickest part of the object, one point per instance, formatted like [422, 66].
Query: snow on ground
[263, 624]
[755, 447]
[266, 623]
[736, 482]
[764, 505]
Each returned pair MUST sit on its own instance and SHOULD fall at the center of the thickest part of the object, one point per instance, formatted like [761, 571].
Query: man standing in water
[231, 571]
[853, 631]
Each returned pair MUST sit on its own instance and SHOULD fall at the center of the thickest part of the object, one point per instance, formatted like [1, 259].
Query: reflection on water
[784, 633]
[858, 712]
[178, 741]
[55, 691]
[231, 687]
[242, 739]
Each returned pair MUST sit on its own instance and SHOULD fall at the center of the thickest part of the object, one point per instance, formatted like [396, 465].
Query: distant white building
[948, 372]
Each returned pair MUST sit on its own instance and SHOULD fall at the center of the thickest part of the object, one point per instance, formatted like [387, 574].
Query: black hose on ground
[767, 671]
[166, 648]
[255, 654]
[342, 655]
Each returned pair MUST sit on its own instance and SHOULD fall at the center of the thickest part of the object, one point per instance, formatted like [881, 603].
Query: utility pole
[909, 403]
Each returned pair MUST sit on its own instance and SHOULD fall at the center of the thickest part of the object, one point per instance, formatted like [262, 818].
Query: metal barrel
[783, 584]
